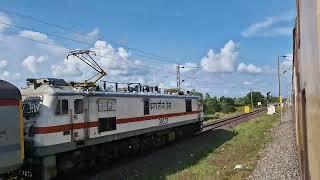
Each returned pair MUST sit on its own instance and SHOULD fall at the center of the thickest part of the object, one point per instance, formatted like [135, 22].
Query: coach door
[78, 117]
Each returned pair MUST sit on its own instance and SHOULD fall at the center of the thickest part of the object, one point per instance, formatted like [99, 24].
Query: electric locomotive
[65, 124]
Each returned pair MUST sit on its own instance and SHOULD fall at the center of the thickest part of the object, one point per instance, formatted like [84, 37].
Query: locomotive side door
[78, 117]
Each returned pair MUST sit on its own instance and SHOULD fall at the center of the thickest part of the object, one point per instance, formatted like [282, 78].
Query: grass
[220, 115]
[243, 149]
[211, 155]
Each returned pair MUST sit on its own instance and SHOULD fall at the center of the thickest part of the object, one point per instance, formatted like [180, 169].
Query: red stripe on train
[68, 127]
[9, 102]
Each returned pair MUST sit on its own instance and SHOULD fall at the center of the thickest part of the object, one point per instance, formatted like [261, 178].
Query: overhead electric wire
[79, 41]
[74, 40]
[60, 45]
[154, 58]
[63, 47]
[34, 40]
[48, 34]
[164, 59]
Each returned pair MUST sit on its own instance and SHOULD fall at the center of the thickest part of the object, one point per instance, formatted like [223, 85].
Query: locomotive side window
[62, 107]
[78, 106]
[106, 124]
[188, 105]
[146, 108]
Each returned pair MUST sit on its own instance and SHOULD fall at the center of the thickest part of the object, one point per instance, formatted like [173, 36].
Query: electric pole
[251, 101]
[178, 77]
[178, 67]
[279, 83]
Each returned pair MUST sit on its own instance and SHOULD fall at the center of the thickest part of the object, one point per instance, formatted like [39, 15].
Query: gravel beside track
[280, 159]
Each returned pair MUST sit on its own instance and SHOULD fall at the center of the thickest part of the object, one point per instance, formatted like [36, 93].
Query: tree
[227, 104]
[196, 93]
[211, 105]
[273, 99]
[240, 101]
[214, 104]
[256, 97]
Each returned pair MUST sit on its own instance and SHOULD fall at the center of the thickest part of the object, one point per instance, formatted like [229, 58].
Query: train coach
[306, 73]
[66, 126]
[11, 129]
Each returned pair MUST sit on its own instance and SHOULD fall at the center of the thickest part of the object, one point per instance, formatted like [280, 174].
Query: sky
[226, 48]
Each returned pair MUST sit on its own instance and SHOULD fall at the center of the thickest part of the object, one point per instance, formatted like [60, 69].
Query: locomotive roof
[69, 91]
[8, 91]
[58, 87]
[122, 94]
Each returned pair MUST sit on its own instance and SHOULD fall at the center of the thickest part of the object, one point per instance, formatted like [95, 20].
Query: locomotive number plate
[163, 121]
[106, 105]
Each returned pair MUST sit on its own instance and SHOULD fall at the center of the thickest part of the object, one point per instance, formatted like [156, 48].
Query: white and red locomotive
[64, 124]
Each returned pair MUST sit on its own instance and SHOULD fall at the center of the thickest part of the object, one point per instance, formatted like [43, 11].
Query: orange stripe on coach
[68, 127]
[9, 102]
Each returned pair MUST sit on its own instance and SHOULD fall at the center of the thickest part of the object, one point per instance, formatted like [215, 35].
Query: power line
[34, 40]
[81, 34]
[74, 40]
[55, 35]
[63, 47]
[160, 58]
[24, 28]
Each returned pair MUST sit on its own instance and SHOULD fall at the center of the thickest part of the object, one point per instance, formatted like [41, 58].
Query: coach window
[107, 124]
[78, 106]
[146, 107]
[62, 107]
[188, 105]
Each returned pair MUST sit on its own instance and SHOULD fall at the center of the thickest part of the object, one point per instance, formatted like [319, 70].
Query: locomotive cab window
[146, 108]
[188, 105]
[31, 107]
[78, 106]
[62, 107]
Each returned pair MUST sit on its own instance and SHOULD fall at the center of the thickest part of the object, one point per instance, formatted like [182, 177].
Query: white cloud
[34, 35]
[4, 19]
[89, 37]
[94, 33]
[69, 67]
[223, 61]
[271, 26]
[249, 68]
[3, 64]
[247, 83]
[8, 76]
[287, 31]
[31, 63]
[120, 65]
[115, 62]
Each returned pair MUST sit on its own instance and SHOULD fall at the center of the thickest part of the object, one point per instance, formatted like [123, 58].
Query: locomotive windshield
[31, 107]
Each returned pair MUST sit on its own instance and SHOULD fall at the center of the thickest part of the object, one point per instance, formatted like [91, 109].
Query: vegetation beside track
[242, 150]
[220, 115]
[210, 155]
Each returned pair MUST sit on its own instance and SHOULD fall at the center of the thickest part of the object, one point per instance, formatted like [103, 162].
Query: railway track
[231, 120]
[91, 172]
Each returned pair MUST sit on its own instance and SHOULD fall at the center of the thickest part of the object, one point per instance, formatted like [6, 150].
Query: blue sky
[181, 31]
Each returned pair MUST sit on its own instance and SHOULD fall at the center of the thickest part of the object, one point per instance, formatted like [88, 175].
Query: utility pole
[251, 100]
[178, 77]
[279, 83]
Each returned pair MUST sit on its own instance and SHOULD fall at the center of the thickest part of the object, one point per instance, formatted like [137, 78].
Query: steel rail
[230, 120]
